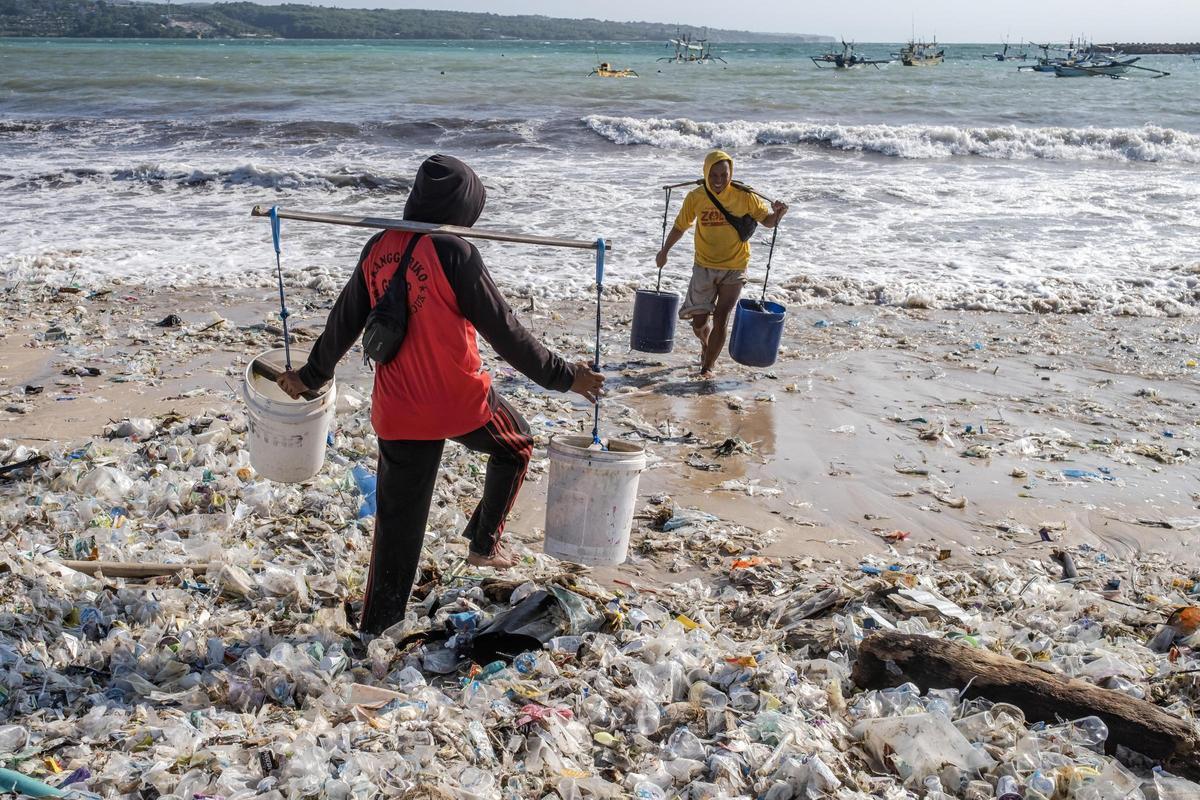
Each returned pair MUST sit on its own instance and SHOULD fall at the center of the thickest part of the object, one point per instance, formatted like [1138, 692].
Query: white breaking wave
[1149, 143]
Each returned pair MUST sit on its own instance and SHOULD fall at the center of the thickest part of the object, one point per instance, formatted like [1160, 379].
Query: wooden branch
[427, 227]
[1043, 696]
[33, 461]
[132, 569]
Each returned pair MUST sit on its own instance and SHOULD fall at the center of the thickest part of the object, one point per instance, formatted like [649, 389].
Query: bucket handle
[770, 255]
[283, 311]
[666, 212]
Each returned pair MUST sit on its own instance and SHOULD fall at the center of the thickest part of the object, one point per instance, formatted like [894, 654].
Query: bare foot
[500, 560]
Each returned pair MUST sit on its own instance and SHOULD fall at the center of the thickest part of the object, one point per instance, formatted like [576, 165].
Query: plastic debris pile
[241, 676]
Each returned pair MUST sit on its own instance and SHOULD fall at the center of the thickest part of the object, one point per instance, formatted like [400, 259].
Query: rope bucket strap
[666, 213]
[596, 365]
[770, 255]
[283, 312]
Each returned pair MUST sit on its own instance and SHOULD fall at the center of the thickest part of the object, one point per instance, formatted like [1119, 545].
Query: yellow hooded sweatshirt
[717, 243]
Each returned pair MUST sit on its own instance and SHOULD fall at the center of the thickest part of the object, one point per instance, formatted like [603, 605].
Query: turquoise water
[352, 81]
[968, 184]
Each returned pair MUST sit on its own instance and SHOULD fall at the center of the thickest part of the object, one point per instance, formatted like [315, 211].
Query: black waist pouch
[745, 225]
[387, 324]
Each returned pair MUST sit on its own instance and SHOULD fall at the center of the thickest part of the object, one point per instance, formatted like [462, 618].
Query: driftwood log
[940, 664]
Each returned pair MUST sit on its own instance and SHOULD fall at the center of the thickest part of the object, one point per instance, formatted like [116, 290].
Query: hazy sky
[873, 20]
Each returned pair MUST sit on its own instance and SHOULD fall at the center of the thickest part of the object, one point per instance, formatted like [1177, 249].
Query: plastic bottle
[648, 791]
[1006, 788]
[646, 716]
[978, 790]
[743, 699]
[366, 486]
[1040, 786]
[1090, 731]
[526, 663]
[934, 790]
[707, 696]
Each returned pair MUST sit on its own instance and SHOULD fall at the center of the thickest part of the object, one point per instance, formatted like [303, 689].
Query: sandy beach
[959, 428]
[907, 469]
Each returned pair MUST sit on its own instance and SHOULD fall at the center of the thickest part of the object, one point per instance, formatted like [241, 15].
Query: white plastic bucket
[590, 499]
[286, 437]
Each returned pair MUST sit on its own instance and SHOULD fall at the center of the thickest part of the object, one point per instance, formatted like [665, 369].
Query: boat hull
[1086, 71]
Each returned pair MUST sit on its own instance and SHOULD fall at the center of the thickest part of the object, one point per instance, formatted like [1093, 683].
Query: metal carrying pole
[737, 184]
[388, 223]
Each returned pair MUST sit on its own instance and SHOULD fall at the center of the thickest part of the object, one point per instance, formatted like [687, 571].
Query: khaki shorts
[702, 291]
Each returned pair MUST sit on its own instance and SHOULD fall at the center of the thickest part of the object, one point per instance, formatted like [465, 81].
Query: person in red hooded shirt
[435, 388]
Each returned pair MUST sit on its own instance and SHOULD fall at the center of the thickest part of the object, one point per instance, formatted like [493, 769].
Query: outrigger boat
[847, 59]
[606, 70]
[691, 51]
[1093, 67]
[1090, 62]
[1004, 55]
[922, 54]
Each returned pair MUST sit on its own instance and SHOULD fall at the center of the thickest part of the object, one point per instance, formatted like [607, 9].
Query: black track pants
[407, 475]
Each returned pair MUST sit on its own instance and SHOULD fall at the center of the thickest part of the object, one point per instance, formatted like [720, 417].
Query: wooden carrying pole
[272, 373]
[889, 658]
[387, 223]
[130, 569]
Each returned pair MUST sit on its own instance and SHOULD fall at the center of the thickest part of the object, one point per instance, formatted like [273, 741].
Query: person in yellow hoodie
[722, 255]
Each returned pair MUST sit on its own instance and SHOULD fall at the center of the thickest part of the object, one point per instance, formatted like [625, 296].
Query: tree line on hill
[98, 18]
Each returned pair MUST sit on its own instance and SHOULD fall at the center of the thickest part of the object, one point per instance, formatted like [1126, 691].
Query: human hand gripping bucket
[590, 499]
[286, 437]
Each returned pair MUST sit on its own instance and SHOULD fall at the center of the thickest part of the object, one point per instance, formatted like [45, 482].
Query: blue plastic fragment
[1081, 473]
[365, 480]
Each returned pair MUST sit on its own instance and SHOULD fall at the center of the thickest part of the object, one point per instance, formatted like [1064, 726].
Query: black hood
[445, 192]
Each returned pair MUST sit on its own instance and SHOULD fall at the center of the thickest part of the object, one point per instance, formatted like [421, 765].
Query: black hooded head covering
[445, 192]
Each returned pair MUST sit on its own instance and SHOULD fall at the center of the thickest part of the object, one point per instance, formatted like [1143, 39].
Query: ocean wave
[185, 177]
[1147, 144]
[253, 132]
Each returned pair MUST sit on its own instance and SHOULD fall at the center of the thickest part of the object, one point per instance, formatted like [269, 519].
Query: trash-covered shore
[241, 675]
[1025, 494]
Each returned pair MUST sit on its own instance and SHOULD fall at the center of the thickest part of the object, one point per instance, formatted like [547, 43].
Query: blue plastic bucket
[654, 315]
[757, 329]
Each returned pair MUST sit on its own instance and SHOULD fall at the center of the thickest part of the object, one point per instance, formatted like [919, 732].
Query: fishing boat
[606, 70]
[1089, 61]
[1004, 55]
[847, 59]
[691, 51]
[1048, 63]
[922, 54]
[1094, 67]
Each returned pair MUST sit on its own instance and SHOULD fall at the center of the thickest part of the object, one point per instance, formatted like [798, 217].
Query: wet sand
[953, 427]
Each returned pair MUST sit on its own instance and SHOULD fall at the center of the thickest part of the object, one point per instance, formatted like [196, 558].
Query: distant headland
[1156, 48]
[129, 19]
